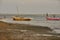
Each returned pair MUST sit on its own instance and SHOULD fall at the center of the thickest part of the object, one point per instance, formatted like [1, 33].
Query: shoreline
[10, 31]
[23, 26]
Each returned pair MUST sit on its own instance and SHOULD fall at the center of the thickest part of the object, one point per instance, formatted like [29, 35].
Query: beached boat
[17, 18]
[21, 19]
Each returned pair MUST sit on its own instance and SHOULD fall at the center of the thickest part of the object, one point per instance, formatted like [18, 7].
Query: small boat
[17, 18]
[49, 18]
[21, 19]
[52, 18]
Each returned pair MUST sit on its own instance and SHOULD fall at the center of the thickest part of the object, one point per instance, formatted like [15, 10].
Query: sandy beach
[9, 31]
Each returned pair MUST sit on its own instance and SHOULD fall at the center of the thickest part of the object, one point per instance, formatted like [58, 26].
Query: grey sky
[29, 6]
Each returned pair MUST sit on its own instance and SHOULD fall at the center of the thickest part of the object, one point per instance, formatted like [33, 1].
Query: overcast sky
[29, 6]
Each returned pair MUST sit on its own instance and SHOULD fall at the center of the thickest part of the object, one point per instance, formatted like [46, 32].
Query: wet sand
[39, 29]
[10, 31]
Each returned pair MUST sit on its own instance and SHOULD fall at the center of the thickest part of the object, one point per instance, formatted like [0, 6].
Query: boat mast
[17, 11]
[46, 14]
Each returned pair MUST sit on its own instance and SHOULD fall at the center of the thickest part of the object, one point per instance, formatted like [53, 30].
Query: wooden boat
[16, 18]
[21, 19]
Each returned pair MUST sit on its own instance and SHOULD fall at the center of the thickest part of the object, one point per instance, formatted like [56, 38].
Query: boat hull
[21, 19]
[48, 18]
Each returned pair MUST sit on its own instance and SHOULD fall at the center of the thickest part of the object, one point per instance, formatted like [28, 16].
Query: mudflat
[9, 31]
